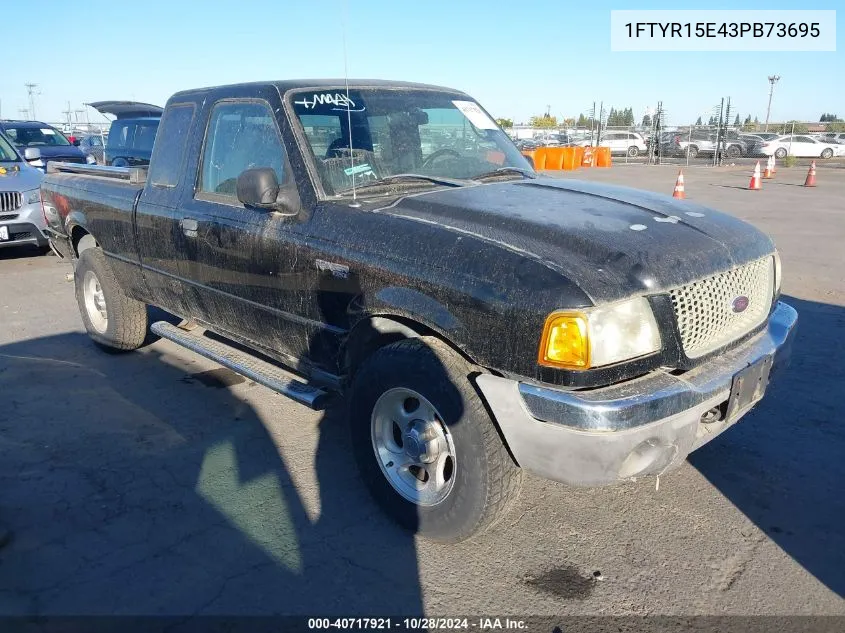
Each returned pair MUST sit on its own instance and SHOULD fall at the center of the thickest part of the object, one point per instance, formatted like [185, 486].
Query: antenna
[348, 111]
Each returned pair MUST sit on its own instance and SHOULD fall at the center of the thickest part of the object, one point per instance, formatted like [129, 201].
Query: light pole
[773, 79]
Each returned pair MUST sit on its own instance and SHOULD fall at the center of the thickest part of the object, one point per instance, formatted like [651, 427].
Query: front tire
[633, 151]
[425, 445]
[827, 153]
[112, 319]
[780, 152]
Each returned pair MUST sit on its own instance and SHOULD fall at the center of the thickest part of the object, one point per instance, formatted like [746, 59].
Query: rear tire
[113, 320]
[405, 383]
[692, 151]
[827, 153]
[780, 152]
[633, 151]
[733, 151]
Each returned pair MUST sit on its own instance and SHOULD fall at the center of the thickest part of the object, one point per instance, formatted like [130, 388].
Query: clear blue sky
[515, 58]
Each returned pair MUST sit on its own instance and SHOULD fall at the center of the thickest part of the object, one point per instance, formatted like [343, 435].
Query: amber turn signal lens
[565, 343]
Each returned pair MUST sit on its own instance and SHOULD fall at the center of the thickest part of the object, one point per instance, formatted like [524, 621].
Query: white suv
[629, 143]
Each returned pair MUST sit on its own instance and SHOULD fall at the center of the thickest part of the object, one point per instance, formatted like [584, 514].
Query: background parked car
[801, 146]
[132, 133]
[51, 144]
[21, 220]
[630, 143]
[833, 137]
[93, 146]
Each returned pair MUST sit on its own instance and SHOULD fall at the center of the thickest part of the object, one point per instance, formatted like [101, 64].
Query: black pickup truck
[388, 243]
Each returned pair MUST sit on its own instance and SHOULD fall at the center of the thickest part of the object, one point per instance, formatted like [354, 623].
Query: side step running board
[256, 369]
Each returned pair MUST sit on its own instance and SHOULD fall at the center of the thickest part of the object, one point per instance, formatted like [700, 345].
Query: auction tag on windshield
[475, 114]
[48, 132]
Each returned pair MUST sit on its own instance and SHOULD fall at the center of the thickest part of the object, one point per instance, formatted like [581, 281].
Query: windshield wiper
[504, 171]
[405, 179]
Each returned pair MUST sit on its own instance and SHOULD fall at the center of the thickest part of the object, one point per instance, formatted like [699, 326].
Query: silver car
[21, 218]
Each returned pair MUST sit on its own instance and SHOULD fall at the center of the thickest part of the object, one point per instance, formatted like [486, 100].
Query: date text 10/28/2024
[417, 624]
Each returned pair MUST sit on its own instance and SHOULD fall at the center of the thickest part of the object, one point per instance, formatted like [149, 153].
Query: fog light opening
[712, 415]
[649, 457]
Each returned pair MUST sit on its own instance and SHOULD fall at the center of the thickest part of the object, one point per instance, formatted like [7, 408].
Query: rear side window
[170, 145]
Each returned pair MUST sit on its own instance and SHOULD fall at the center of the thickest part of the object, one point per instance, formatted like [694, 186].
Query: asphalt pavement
[156, 483]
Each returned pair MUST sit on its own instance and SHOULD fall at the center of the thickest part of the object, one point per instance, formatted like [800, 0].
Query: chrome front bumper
[641, 427]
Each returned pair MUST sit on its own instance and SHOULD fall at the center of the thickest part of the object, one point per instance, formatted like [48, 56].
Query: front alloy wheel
[413, 446]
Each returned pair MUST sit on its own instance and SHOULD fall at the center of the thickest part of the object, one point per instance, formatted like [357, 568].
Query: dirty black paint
[481, 266]
[564, 582]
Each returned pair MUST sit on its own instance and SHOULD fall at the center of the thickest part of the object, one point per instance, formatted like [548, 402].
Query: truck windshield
[7, 153]
[437, 134]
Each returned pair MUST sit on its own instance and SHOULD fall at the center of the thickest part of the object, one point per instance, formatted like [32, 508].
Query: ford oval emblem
[740, 303]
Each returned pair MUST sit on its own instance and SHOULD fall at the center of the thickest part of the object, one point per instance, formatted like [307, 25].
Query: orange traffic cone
[811, 176]
[679, 186]
[767, 173]
[755, 178]
[587, 161]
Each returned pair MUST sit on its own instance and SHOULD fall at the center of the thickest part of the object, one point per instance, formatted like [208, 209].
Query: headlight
[32, 197]
[599, 336]
[90, 160]
[778, 273]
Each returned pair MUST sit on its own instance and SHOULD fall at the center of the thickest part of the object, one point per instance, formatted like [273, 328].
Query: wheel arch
[380, 329]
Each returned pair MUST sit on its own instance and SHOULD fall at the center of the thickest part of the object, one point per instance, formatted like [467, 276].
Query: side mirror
[76, 142]
[258, 187]
[31, 154]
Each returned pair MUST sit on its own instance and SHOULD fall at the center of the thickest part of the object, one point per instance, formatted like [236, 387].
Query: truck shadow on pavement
[133, 493]
[791, 449]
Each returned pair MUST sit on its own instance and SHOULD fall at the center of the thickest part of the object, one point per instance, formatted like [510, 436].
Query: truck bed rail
[133, 175]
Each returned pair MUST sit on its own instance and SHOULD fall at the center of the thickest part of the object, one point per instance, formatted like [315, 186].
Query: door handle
[189, 226]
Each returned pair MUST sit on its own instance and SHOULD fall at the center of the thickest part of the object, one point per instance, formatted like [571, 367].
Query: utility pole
[773, 79]
[67, 114]
[30, 90]
[24, 113]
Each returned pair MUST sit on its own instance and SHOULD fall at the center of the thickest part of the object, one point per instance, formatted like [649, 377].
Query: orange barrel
[569, 158]
[530, 154]
[579, 156]
[539, 158]
[554, 158]
[603, 157]
[587, 160]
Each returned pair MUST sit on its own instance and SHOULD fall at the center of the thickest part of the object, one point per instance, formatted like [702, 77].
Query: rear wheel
[633, 151]
[120, 162]
[780, 152]
[426, 447]
[733, 151]
[827, 153]
[113, 320]
[692, 151]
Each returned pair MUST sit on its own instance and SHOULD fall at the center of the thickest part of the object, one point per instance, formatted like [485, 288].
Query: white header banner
[722, 30]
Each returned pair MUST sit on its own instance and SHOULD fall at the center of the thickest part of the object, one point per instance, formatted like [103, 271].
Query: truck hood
[612, 241]
[25, 179]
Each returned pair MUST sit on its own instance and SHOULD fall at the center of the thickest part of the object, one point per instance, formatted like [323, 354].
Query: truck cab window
[169, 150]
[240, 136]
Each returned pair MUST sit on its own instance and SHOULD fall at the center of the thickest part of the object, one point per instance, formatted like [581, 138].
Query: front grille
[704, 309]
[10, 201]
[22, 235]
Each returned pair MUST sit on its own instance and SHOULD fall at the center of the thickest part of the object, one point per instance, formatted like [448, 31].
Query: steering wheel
[441, 152]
